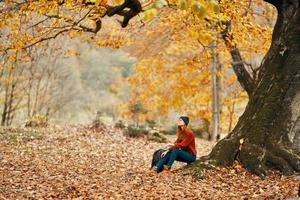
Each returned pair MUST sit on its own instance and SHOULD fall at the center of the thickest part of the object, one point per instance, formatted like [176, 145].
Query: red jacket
[187, 143]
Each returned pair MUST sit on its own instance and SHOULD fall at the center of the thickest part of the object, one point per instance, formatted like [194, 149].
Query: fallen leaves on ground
[74, 162]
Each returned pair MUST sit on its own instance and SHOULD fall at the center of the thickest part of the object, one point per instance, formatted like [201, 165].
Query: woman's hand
[168, 146]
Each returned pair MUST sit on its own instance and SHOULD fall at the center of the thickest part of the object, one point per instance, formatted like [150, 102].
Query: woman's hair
[180, 132]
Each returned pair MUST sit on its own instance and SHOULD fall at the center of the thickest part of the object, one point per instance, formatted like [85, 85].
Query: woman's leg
[162, 161]
[181, 155]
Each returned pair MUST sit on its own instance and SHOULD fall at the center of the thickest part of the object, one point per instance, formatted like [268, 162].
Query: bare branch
[46, 38]
[38, 23]
[59, 32]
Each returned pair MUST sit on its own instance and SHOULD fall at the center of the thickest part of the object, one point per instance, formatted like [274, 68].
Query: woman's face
[180, 122]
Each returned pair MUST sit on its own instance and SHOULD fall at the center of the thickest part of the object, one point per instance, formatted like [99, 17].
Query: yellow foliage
[117, 2]
[178, 71]
[149, 14]
[198, 10]
[174, 72]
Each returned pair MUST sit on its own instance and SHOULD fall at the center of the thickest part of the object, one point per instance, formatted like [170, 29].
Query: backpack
[156, 156]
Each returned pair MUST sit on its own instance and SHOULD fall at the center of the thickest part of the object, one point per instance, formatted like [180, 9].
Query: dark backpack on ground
[156, 156]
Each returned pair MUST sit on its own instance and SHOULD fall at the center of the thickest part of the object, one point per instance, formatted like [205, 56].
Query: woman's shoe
[167, 168]
[154, 169]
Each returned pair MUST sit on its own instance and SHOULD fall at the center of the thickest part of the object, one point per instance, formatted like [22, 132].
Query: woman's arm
[184, 143]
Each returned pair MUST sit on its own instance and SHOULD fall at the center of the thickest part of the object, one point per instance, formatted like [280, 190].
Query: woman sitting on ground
[183, 150]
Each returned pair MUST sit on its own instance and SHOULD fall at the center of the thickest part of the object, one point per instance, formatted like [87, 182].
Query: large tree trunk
[267, 135]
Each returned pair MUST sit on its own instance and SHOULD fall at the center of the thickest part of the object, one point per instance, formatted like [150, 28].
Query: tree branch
[38, 23]
[46, 38]
[244, 78]
[242, 74]
[59, 32]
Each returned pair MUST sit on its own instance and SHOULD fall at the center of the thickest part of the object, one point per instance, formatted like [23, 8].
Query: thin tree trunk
[215, 96]
[37, 96]
[29, 102]
[6, 98]
[4, 111]
[219, 95]
[10, 103]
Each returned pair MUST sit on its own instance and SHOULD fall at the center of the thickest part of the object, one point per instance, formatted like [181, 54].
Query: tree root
[195, 169]
[252, 158]
[279, 163]
[258, 159]
[224, 153]
[289, 155]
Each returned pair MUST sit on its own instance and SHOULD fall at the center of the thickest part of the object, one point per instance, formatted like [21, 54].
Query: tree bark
[267, 135]
[231, 113]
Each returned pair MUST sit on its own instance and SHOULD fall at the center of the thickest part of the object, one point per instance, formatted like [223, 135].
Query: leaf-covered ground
[73, 162]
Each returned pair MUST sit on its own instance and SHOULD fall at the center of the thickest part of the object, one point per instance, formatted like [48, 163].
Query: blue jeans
[175, 154]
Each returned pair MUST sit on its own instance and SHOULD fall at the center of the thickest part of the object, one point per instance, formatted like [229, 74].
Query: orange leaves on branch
[38, 21]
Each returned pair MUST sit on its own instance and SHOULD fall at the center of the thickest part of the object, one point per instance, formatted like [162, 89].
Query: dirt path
[72, 162]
